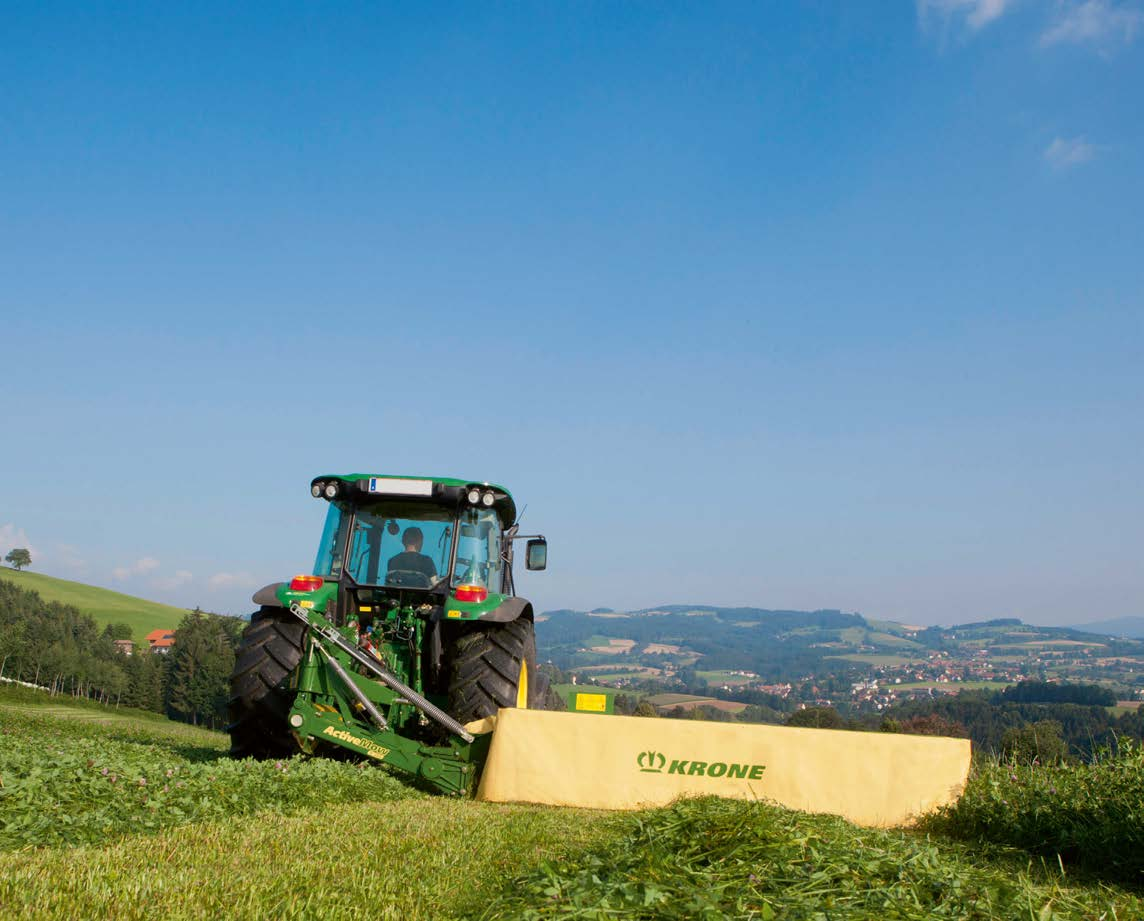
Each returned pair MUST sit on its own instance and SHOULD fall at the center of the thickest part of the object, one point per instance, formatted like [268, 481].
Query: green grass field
[668, 701]
[104, 605]
[116, 814]
[617, 675]
[721, 677]
[890, 639]
[873, 659]
[565, 689]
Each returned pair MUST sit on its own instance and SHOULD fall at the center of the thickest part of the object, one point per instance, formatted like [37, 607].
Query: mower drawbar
[385, 677]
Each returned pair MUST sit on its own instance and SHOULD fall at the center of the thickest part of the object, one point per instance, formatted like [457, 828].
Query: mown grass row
[715, 859]
[67, 781]
[406, 860]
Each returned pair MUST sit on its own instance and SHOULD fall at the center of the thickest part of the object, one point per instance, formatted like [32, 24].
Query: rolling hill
[754, 647]
[1120, 626]
[104, 605]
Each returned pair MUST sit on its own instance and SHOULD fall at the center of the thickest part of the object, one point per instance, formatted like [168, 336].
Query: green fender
[509, 610]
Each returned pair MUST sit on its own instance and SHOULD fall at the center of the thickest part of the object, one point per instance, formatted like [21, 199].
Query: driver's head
[412, 539]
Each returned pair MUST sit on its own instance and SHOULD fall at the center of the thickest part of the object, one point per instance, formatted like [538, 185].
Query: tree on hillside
[930, 724]
[145, 681]
[816, 718]
[56, 646]
[714, 714]
[201, 662]
[1042, 742]
[19, 557]
[1092, 695]
[759, 713]
[11, 640]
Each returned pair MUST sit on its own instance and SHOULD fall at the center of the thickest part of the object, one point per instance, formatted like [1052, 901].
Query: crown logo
[651, 762]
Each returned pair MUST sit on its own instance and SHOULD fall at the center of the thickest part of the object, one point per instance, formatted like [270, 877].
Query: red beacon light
[305, 583]
[471, 593]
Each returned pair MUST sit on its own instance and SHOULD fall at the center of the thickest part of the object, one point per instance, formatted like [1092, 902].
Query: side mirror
[536, 554]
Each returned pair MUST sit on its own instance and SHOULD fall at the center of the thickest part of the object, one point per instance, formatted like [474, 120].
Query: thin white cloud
[231, 580]
[140, 567]
[1094, 22]
[69, 559]
[178, 580]
[1064, 153]
[976, 13]
[12, 537]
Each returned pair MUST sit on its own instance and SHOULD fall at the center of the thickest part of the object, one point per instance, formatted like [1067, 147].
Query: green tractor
[408, 629]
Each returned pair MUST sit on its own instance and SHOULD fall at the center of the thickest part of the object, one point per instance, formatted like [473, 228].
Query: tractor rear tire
[259, 705]
[486, 665]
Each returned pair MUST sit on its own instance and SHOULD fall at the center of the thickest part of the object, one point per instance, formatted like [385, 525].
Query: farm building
[161, 641]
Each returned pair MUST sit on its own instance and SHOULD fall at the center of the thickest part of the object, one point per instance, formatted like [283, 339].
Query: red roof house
[161, 641]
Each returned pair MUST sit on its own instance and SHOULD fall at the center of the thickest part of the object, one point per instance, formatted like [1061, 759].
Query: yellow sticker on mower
[593, 703]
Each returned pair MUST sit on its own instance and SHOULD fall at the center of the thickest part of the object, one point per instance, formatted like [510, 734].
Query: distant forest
[1086, 723]
[57, 646]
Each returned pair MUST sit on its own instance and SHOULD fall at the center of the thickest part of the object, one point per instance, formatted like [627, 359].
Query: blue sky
[789, 305]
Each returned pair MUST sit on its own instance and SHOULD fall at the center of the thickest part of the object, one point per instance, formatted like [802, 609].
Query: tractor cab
[440, 542]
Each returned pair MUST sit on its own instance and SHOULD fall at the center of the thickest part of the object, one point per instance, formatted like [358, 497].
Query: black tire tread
[483, 664]
[269, 650]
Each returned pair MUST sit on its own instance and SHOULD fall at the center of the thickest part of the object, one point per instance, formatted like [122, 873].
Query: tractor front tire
[259, 705]
[492, 665]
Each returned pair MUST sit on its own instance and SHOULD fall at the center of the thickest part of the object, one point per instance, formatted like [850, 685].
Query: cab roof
[505, 505]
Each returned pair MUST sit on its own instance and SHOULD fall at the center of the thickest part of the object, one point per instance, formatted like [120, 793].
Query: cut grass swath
[709, 858]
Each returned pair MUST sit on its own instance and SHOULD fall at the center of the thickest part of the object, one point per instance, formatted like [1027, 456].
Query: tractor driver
[412, 560]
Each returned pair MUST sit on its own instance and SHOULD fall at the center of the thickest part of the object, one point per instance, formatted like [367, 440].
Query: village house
[161, 641]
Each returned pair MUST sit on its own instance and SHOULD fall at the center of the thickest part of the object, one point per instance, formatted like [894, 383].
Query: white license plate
[389, 487]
